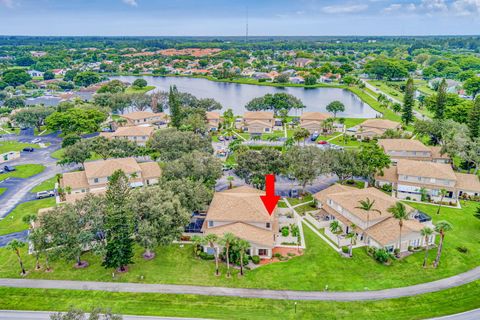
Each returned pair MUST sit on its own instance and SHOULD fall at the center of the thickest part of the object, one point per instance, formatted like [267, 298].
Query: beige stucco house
[137, 134]
[412, 149]
[377, 228]
[313, 121]
[241, 211]
[94, 179]
[372, 128]
[213, 120]
[145, 117]
[409, 178]
[258, 122]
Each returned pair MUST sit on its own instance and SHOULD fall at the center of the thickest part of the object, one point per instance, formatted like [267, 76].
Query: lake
[235, 96]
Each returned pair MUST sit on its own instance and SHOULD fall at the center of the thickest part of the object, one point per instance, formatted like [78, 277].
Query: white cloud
[431, 6]
[393, 7]
[466, 7]
[353, 8]
[132, 3]
[7, 3]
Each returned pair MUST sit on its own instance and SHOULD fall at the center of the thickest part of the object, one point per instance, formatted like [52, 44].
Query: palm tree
[443, 193]
[399, 212]
[301, 134]
[15, 246]
[227, 240]
[353, 239]
[367, 205]
[426, 232]
[335, 229]
[242, 246]
[441, 227]
[211, 239]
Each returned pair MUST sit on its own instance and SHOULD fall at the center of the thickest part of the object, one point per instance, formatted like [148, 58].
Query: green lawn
[348, 142]
[23, 171]
[429, 305]
[13, 221]
[2, 190]
[387, 113]
[7, 146]
[48, 184]
[383, 86]
[139, 90]
[318, 267]
[58, 154]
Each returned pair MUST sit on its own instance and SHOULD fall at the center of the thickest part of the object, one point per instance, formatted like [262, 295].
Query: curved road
[433, 286]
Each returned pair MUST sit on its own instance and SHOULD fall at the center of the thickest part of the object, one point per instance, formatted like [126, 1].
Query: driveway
[18, 189]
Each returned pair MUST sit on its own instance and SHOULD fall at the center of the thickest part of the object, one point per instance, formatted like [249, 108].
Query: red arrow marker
[270, 200]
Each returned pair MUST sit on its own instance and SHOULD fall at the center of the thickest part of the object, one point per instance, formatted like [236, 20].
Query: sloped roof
[258, 115]
[467, 182]
[380, 124]
[316, 116]
[402, 145]
[388, 230]
[150, 170]
[336, 188]
[212, 115]
[425, 169]
[105, 168]
[74, 180]
[245, 231]
[436, 154]
[133, 131]
[242, 204]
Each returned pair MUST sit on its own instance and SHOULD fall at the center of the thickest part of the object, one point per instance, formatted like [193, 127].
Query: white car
[45, 194]
[37, 140]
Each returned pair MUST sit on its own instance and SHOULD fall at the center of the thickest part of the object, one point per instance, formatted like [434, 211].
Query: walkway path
[43, 315]
[433, 286]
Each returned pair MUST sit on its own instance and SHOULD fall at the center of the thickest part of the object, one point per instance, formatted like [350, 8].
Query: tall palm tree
[211, 240]
[335, 228]
[368, 206]
[352, 235]
[441, 227]
[15, 246]
[399, 212]
[443, 193]
[242, 246]
[226, 241]
[426, 232]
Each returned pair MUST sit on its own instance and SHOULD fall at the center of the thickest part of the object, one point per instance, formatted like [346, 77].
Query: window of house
[95, 180]
[210, 223]
[389, 248]
[262, 252]
[267, 224]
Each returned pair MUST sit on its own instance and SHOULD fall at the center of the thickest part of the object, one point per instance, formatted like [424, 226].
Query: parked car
[28, 149]
[314, 136]
[2, 171]
[322, 142]
[37, 140]
[9, 168]
[221, 138]
[45, 194]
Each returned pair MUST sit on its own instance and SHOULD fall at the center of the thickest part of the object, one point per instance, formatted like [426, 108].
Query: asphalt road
[38, 315]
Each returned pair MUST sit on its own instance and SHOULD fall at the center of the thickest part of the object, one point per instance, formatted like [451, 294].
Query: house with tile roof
[94, 179]
[213, 120]
[137, 134]
[313, 121]
[376, 228]
[410, 179]
[412, 149]
[145, 117]
[258, 122]
[372, 128]
[241, 211]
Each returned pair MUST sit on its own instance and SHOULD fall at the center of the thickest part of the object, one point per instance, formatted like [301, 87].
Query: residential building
[424, 180]
[240, 211]
[377, 228]
[137, 134]
[8, 156]
[145, 117]
[313, 121]
[35, 73]
[372, 128]
[411, 149]
[213, 120]
[94, 179]
[258, 122]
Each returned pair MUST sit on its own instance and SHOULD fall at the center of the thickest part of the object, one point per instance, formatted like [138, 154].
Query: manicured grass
[352, 122]
[276, 134]
[139, 90]
[13, 221]
[383, 86]
[348, 142]
[450, 301]
[7, 146]
[296, 201]
[2, 190]
[387, 113]
[305, 208]
[318, 267]
[46, 185]
[23, 171]
[58, 154]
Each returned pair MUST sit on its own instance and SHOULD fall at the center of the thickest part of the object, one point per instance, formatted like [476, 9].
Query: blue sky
[227, 17]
